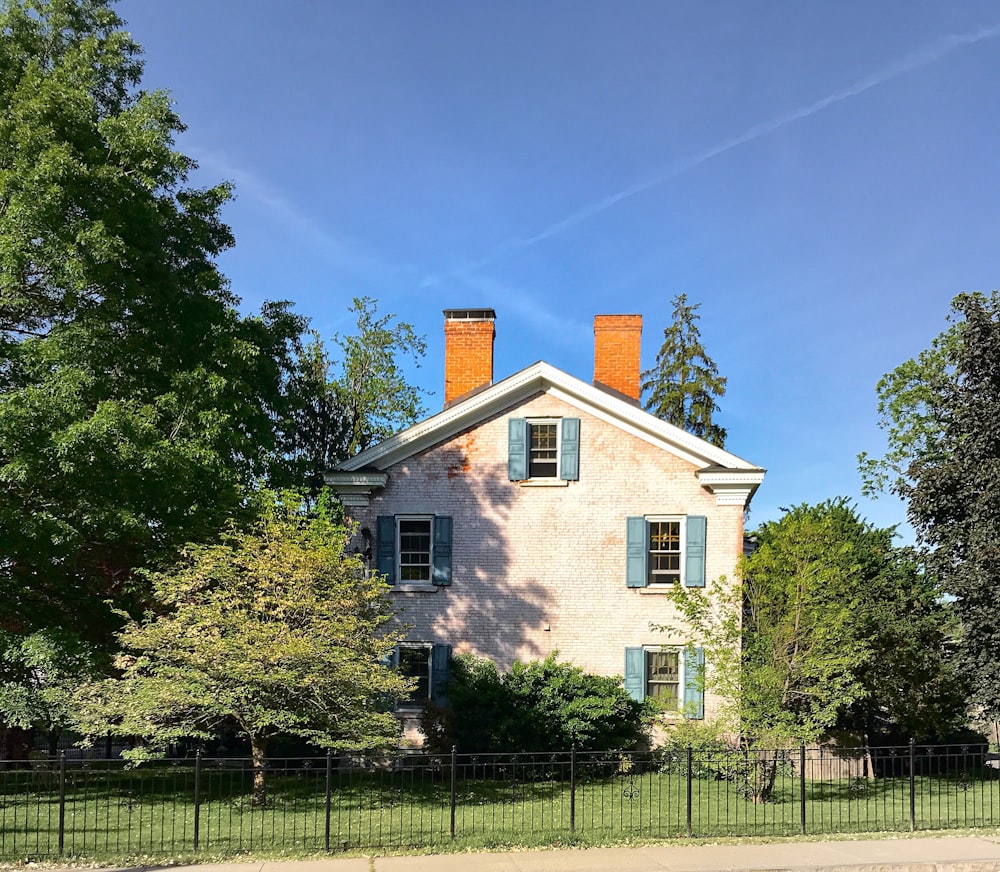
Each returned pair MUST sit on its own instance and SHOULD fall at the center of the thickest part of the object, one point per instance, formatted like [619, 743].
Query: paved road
[949, 854]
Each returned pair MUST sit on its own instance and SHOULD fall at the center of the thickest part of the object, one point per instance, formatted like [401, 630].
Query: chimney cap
[470, 315]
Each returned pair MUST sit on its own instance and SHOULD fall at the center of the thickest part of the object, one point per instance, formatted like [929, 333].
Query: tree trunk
[258, 750]
[768, 773]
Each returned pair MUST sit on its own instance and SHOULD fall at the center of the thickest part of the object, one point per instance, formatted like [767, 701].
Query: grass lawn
[110, 813]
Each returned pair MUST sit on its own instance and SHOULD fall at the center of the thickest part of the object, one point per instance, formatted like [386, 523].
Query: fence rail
[103, 809]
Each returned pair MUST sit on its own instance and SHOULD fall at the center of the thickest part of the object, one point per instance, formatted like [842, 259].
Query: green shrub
[540, 706]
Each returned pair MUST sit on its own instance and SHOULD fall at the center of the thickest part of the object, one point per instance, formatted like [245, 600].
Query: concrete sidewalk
[947, 854]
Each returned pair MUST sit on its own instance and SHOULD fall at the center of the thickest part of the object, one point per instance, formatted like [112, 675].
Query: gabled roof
[720, 470]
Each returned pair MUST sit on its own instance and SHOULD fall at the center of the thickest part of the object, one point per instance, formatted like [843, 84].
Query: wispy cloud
[341, 252]
[899, 67]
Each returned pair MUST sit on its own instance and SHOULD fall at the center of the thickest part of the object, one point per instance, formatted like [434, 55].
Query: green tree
[273, 630]
[136, 403]
[683, 385]
[955, 490]
[371, 389]
[831, 625]
[39, 673]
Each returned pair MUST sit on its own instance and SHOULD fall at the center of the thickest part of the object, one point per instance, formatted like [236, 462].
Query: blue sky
[821, 177]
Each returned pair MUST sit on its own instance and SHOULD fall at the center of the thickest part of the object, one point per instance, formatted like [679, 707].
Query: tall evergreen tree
[683, 385]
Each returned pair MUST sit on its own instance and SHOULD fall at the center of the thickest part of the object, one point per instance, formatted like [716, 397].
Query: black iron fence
[89, 808]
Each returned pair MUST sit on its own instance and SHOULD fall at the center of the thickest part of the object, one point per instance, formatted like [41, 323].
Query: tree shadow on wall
[492, 608]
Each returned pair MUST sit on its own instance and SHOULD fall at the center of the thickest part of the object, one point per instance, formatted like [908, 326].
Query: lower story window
[415, 663]
[663, 677]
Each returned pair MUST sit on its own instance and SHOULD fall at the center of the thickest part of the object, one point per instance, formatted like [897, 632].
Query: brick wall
[539, 569]
[468, 356]
[616, 352]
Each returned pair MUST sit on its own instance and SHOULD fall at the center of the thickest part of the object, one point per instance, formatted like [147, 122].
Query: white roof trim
[513, 389]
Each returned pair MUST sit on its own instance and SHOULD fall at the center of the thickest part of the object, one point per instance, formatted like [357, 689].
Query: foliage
[684, 383]
[814, 633]
[956, 489]
[274, 630]
[39, 673]
[539, 706]
[371, 388]
[136, 403]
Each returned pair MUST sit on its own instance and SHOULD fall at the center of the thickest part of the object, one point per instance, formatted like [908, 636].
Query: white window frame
[399, 552]
[682, 566]
[681, 672]
[532, 422]
[428, 647]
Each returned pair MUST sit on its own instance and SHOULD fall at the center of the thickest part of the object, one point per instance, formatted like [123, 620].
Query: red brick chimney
[616, 353]
[468, 351]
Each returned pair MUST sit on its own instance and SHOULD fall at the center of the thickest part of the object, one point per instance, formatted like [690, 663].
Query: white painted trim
[537, 378]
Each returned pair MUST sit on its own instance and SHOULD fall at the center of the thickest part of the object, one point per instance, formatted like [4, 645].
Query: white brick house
[545, 513]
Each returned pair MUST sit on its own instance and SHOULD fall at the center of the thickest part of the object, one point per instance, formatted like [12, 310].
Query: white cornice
[732, 487]
[537, 378]
[355, 488]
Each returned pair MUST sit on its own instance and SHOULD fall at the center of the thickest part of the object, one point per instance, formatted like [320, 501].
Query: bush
[540, 706]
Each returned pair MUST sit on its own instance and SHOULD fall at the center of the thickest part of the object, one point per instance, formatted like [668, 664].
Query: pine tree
[683, 385]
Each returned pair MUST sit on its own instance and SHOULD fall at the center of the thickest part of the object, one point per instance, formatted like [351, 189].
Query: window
[428, 664]
[414, 550]
[672, 676]
[414, 661]
[543, 449]
[665, 550]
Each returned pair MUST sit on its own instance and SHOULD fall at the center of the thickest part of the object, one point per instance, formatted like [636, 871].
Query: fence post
[913, 785]
[802, 788]
[62, 801]
[197, 798]
[572, 788]
[454, 766]
[690, 771]
[329, 790]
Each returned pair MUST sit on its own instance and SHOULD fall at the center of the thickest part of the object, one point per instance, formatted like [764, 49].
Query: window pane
[543, 450]
[663, 674]
[415, 662]
[664, 551]
[415, 549]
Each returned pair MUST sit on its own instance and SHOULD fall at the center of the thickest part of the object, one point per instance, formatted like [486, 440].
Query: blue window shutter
[440, 673]
[694, 684]
[569, 450]
[694, 551]
[517, 449]
[635, 673]
[637, 552]
[441, 570]
[385, 547]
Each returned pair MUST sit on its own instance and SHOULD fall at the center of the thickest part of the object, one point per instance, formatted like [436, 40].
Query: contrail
[897, 68]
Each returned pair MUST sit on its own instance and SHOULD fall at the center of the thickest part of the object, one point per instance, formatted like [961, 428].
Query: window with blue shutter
[385, 547]
[517, 449]
[635, 552]
[441, 550]
[663, 550]
[440, 673]
[635, 673]
[694, 551]
[569, 450]
[694, 683]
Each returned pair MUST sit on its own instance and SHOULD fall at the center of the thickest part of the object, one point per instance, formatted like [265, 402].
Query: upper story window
[543, 449]
[414, 550]
[665, 550]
